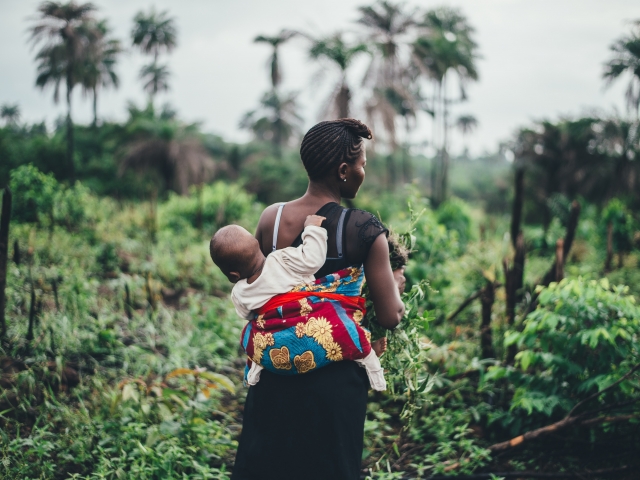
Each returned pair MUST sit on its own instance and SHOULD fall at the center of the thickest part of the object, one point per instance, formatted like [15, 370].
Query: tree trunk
[391, 171]
[342, 101]
[569, 236]
[95, 107]
[70, 164]
[486, 338]
[4, 256]
[609, 259]
[407, 167]
[559, 273]
[518, 200]
[16, 252]
[514, 281]
[444, 180]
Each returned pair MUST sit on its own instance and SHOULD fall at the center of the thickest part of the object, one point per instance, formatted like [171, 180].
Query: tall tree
[276, 120]
[10, 113]
[98, 69]
[466, 124]
[67, 31]
[274, 62]
[626, 61]
[156, 79]
[154, 33]
[444, 48]
[388, 26]
[341, 55]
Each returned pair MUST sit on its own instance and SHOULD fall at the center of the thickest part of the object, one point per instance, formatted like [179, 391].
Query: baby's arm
[241, 309]
[311, 255]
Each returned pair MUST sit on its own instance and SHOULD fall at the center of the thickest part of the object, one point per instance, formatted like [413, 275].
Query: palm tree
[341, 55]
[67, 31]
[154, 33]
[445, 46]
[10, 113]
[161, 144]
[156, 79]
[388, 26]
[626, 60]
[466, 124]
[98, 70]
[277, 119]
[275, 42]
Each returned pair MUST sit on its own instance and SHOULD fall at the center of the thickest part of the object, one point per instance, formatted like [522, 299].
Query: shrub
[33, 194]
[583, 336]
[221, 204]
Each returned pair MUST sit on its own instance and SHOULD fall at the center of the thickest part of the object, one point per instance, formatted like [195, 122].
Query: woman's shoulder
[268, 216]
[365, 226]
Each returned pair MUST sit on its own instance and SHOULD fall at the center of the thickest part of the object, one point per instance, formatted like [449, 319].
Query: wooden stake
[16, 252]
[609, 259]
[486, 338]
[4, 254]
[559, 264]
[127, 301]
[516, 215]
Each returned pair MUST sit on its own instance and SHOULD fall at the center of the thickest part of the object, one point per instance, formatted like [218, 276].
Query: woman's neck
[322, 192]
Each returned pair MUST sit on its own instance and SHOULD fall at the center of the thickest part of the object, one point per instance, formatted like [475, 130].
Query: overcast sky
[540, 59]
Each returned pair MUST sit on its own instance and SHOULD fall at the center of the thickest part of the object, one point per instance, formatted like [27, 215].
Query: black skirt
[304, 427]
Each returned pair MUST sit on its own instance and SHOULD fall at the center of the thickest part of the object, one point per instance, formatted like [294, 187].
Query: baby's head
[236, 252]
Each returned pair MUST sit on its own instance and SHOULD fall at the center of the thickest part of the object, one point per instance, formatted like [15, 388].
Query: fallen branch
[564, 423]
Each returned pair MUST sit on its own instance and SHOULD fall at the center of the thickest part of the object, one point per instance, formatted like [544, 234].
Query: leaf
[180, 371]
[130, 392]
[219, 379]
[168, 392]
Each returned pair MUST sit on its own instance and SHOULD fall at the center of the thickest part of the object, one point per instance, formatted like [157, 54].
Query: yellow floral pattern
[305, 308]
[301, 330]
[334, 351]
[304, 362]
[320, 329]
[280, 358]
[260, 342]
[357, 316]
[260, 321]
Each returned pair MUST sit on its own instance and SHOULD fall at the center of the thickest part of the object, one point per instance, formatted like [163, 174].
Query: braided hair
[328, 144]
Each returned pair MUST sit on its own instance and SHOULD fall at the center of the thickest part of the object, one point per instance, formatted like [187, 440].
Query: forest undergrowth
[122, 360]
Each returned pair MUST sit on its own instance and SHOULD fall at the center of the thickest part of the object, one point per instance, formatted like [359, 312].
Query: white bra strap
[276, 227]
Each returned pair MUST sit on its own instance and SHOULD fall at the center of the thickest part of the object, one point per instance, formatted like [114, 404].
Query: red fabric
[280, 300]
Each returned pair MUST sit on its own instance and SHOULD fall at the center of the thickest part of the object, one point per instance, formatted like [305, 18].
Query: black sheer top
[358, 231]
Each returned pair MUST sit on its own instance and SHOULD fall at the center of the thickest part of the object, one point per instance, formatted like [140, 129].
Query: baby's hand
[315, 220]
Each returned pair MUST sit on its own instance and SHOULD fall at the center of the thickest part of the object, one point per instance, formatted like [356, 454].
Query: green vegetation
[120, 357]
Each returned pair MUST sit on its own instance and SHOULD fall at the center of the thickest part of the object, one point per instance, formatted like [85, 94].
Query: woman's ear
[342, 170]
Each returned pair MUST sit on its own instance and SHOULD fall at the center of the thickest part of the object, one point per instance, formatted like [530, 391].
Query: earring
[344, 179]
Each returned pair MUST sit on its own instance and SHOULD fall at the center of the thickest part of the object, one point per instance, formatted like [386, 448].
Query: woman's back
[310, 426]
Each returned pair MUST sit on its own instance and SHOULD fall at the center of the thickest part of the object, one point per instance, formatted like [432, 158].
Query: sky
[541, 59]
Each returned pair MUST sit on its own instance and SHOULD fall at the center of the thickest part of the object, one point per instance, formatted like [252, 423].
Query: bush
[33, 194]
[583, 336]
[454, 214]
[39, 198]
[221, 204]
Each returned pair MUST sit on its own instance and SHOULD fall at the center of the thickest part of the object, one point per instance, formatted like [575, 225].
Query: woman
[311, 426]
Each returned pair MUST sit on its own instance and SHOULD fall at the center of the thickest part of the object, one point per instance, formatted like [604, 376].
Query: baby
[258, 278]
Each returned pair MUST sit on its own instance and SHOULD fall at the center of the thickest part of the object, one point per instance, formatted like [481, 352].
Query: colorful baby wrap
[310, 327]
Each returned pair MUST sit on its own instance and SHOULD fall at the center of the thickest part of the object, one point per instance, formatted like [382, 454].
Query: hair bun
[356, 127]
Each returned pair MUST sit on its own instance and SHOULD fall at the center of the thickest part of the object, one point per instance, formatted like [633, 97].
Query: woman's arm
[383, 285]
